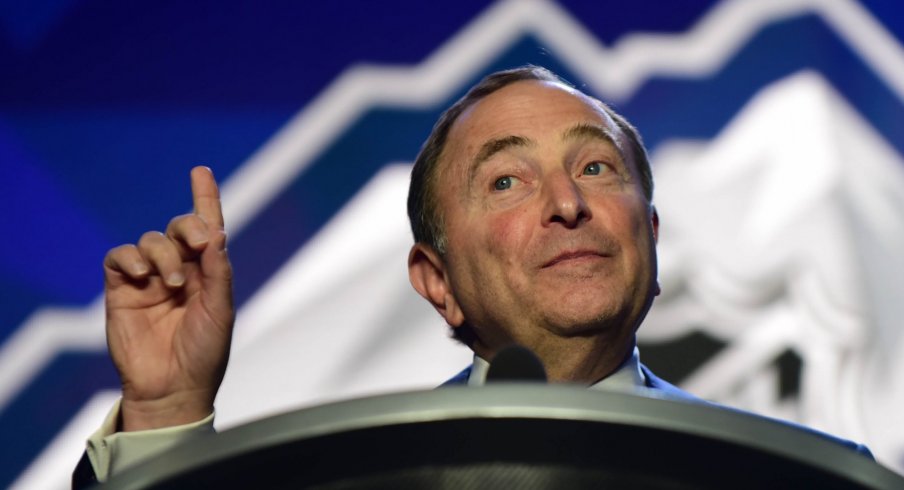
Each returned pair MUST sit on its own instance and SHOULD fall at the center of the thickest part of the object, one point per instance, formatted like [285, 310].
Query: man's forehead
[527, 105]
[527, 110]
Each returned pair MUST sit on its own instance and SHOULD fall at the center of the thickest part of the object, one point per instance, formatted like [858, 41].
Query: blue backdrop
[105, 106]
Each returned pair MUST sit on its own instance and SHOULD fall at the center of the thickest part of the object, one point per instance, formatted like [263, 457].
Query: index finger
[206, 196]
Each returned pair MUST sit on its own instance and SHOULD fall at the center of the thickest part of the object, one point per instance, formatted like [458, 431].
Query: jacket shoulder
[459, 379]
[654, 382]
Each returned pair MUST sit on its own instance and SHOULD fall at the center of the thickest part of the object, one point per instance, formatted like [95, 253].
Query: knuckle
[119, 254]
[121, 250]
[116, 254]
[181, 221]
[126, 259]
[155, 246]
[187, 228]
[150, 237]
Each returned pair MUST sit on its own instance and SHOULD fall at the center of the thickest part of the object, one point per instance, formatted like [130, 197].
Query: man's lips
[574, 255]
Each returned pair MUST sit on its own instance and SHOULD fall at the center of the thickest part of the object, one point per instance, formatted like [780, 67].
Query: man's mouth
[574, 256]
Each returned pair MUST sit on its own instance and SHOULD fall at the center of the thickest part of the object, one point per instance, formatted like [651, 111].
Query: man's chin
[586, 325]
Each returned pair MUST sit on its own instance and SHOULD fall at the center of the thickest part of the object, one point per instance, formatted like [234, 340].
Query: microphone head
[516, 363]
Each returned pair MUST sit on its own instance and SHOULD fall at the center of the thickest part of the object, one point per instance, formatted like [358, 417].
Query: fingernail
[139, 269]
[175, 279]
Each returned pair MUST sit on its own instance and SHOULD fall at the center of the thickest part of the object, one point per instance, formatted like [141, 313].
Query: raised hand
[170, 314]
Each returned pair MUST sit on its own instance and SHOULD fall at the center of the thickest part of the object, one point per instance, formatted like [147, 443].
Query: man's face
[548, 231]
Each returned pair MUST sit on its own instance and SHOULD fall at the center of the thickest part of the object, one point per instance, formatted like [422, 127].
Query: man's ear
[427, 273]
[654, 220]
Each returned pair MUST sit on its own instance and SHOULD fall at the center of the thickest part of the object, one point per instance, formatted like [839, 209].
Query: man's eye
[503, 183]
[594, 168]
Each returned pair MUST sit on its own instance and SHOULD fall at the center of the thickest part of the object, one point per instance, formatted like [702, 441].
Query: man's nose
[564, 201]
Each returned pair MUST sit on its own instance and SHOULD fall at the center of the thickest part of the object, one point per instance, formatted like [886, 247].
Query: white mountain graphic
[786, 232]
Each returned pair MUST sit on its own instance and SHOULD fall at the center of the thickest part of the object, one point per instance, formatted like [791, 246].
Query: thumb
[216, 278]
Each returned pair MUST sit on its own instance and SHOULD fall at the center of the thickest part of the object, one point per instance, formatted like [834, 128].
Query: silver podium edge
[646, 409]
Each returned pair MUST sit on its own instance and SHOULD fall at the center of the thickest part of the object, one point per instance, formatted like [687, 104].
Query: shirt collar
[627, 377]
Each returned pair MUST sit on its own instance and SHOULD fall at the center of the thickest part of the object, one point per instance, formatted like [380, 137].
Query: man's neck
[582, 360]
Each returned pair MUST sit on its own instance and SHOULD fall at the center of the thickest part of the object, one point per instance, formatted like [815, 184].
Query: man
[531, 207]
[530, 204]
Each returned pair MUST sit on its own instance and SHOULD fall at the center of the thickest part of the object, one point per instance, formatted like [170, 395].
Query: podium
[524, 436]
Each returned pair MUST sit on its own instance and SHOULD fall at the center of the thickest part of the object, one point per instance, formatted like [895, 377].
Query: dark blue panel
[46, 406]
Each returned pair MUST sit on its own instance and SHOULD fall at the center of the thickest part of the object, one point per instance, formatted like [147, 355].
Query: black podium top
[521, 436]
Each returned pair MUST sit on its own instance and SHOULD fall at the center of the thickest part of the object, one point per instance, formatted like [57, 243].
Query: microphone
[516, 363]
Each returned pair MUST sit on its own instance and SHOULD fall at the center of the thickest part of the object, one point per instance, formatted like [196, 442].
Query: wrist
[170, 411]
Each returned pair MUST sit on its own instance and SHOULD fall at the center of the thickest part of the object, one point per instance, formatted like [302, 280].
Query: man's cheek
[627, 216]
[505, 238]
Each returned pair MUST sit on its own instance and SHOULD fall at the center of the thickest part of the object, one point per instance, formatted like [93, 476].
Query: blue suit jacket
[656, 383]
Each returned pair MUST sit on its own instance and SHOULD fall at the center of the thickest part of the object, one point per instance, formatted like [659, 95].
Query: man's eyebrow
[591, 131]
[494, 146]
